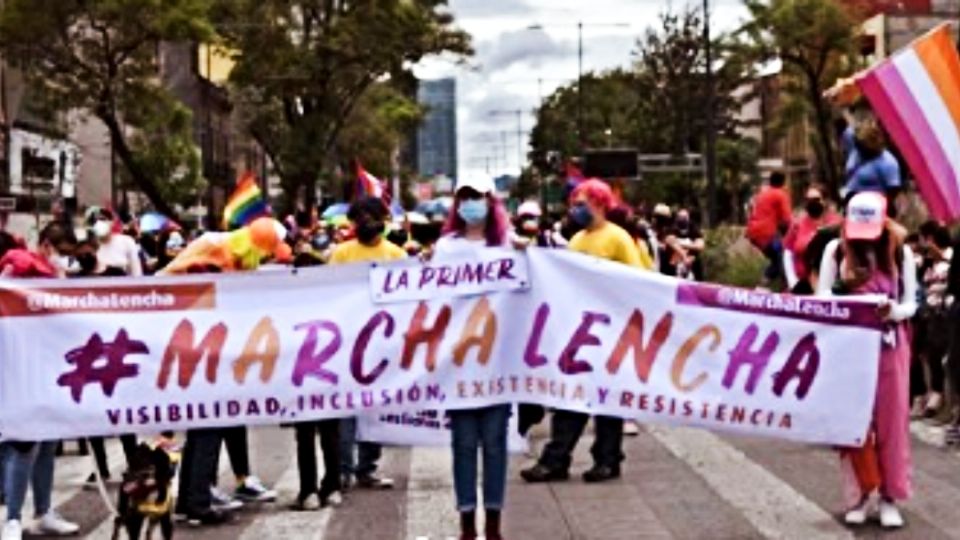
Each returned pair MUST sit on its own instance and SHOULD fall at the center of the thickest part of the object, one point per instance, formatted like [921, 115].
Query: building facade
[437, 137]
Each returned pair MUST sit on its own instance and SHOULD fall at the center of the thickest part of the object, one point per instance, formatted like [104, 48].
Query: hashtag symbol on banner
[89, 370]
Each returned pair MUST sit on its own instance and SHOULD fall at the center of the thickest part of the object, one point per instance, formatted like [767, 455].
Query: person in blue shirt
[870, 165]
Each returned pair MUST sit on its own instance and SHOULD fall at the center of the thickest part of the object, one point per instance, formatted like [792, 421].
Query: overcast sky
[514, 66]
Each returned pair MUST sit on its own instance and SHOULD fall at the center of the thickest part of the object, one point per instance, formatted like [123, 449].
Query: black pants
[953, 357]
[529, 416]
[565, 430]
[329, 432]
[129, 443]
[201, 457]
[936, 346]
[238, 450]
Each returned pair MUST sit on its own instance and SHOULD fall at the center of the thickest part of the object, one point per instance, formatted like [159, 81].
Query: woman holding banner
[870, 259]
[30, 464]
[477, 220]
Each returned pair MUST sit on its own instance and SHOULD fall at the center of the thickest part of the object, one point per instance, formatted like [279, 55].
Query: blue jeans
[367, 454]
[485, 428]
[29, 464]
[4, 447]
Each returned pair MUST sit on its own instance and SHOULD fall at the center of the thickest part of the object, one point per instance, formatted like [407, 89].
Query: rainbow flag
[916, 95]
[246, 204]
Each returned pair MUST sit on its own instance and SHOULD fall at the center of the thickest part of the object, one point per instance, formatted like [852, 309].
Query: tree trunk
[143, 182]
[829, 166]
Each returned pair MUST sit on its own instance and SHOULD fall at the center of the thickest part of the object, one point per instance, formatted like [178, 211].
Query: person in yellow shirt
[622, 216]
[590, 203]
[369, 217]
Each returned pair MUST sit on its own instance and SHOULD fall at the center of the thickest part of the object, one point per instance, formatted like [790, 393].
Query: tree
[671, 85]
[609, 107]
[376, 129]
[816, 41]
[657, 107]
[737, 161]
[303, 67]
[100, 56]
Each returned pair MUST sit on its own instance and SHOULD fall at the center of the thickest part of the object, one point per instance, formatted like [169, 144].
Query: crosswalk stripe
[767, 502]
[289, 524]
[927, 434]
[104, 530]
[70, 474]
[431, 508]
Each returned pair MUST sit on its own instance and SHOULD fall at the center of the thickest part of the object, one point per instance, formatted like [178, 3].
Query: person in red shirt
[769, 222]
[816, 215]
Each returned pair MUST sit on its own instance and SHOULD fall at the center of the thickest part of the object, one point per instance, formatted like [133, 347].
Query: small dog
[146, 495]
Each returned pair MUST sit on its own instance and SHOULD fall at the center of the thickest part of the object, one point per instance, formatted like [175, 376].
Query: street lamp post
[580, 27]
[580, 84]
[519, 113]
[711, 150]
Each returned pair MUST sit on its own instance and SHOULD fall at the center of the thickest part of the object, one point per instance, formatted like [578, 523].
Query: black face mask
[87, 262]
[661, 222]
[368, 231]
[815, 209]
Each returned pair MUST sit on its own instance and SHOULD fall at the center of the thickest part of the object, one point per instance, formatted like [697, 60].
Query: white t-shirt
[121, 251]
[452, 245]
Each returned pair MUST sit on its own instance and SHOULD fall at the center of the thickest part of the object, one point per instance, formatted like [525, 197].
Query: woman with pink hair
[477, 220]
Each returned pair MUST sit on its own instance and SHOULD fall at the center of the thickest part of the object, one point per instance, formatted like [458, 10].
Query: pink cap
[866, 216]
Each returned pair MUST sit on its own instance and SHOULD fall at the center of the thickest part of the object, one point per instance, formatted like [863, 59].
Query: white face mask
[68, 265]
[102, 229]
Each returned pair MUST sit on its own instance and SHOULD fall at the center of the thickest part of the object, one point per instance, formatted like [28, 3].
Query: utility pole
[711, 150]
[580, 26]
[520, 138]
[580, 85]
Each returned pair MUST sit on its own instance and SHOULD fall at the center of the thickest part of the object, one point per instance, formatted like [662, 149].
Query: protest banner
[100, 357]
[424, 428]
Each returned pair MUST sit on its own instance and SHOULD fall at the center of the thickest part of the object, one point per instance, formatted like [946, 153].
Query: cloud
[489, 8]
[497, 101]
[532, 47]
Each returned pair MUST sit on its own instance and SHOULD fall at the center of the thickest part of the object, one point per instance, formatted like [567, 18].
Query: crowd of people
[818, 250]
[108, 246]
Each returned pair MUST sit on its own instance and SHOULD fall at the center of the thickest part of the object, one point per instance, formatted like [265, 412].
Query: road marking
[927, 434]
[431, 506]
[70, 474]
[289, 524]
[767, 502]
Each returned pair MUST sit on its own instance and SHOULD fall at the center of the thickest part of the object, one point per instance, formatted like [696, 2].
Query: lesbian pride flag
[916, 95]
[369, 185]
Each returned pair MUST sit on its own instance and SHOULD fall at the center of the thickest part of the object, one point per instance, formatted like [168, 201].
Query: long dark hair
[863, 257]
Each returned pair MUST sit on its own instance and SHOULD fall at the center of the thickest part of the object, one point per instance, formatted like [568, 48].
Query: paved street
[677, 484]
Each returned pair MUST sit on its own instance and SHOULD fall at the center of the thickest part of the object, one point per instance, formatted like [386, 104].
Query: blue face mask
[474, 212]
[581, 215]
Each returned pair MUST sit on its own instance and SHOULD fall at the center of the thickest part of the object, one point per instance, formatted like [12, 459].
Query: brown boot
[468, 526]
[492, 529]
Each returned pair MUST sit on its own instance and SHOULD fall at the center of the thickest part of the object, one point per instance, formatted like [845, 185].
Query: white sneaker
[858, 514]
[253, 490]
[890, 517]
[335, 499]
[13, 530]
[309, 504]
[631, 428]
[223, 502]
[54, 524]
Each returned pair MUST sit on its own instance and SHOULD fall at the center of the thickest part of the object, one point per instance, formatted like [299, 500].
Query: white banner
[424, 428]
[98, 357]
